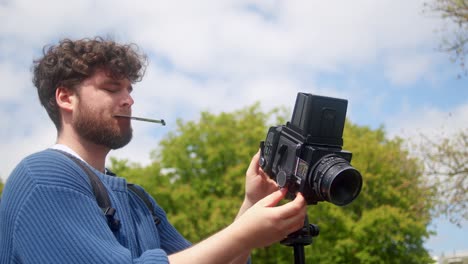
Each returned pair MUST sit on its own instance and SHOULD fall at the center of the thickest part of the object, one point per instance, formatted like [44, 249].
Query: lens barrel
[336, 181]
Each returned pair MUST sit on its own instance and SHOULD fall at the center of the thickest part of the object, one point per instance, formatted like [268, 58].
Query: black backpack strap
[140, 193]
[100, 192]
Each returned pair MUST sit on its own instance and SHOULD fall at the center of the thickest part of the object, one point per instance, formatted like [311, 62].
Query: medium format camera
[306, 155]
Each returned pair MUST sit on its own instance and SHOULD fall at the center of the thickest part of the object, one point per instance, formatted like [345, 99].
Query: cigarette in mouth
[159, 121]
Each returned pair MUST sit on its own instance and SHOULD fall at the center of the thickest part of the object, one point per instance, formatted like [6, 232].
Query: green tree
[455, 44]
[1, 188]
[197, 176]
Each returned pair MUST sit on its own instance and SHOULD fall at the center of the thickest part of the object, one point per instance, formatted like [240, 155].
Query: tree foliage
[445, 161]
[197, 176]
[456, 44]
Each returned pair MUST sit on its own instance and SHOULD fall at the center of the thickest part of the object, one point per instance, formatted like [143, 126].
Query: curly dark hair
[71, 61]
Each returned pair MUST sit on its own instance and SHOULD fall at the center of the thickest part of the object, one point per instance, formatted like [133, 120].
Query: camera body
[306, 155]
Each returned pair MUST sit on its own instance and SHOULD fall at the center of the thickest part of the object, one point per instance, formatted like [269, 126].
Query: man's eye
[110, 90]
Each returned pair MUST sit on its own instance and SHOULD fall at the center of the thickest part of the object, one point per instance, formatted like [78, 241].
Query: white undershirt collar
[66, 149]
[72, 152]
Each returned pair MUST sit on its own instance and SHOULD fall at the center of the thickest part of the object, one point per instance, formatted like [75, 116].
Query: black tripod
[301, 238]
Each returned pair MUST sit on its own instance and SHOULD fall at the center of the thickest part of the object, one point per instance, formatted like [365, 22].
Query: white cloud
[405, 70]
[25, 134]
[16, 82]
[214, 55]
[430, 121]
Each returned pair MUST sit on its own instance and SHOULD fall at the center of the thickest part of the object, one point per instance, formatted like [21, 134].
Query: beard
[100, 130]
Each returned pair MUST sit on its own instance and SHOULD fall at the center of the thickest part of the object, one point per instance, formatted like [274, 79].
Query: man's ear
[66, 98]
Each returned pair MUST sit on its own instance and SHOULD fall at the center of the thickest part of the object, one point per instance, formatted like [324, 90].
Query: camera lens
[336, 181]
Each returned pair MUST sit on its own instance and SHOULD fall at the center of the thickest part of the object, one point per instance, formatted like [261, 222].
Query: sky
[224, 55]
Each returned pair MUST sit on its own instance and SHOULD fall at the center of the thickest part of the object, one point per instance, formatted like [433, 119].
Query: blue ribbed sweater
[48, 214]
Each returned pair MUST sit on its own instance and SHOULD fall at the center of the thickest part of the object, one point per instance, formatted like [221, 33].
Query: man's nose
[128, 99]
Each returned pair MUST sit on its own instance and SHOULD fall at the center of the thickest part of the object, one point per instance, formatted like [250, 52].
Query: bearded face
[100, 127]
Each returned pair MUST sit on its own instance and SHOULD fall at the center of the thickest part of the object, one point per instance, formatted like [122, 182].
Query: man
[49, 213]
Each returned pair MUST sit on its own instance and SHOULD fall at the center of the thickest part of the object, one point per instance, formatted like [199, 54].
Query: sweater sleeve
[59, 225]
[171, 240]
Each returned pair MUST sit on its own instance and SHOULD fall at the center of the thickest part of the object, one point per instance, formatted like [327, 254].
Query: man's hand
[265, 223]
[257, 183]
[261, 225]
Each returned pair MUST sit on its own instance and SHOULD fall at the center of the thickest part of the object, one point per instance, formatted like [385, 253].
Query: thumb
[274, 198]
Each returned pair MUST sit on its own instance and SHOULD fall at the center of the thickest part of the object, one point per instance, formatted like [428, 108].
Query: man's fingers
[292, 214]
[294, 223]
[273, 199]
[295, 207]
[253, 166]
